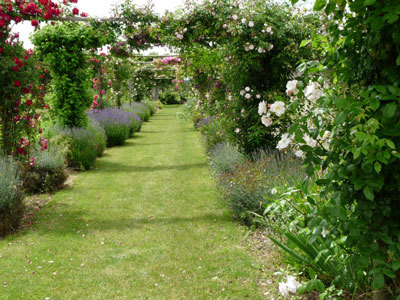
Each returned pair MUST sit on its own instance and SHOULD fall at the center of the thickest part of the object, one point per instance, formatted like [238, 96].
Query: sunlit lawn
[146, 224]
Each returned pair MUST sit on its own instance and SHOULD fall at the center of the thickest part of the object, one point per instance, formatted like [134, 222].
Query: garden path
[145, 224]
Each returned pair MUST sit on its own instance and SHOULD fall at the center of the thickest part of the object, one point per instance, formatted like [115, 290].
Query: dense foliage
[62, 47]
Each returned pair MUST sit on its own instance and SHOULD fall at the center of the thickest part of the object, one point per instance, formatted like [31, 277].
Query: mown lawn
[146, 224]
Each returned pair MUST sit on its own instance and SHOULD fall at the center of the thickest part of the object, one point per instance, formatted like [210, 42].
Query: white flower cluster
[267, 29]
[311, 93]
[289, 287]
[278, 108]
[249, 47]
[246, 92]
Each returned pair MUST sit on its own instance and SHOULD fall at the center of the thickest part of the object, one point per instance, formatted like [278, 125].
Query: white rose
[284, 290]
[237, 130]
[309, 141]
[258, 96]
[267, 122]
[284, 142]
[251, 24]
[260, 50]
[251, 47]
[262, 108]
[292, 284]
[292, 87]
[299, 154]
[244, 21]
[278, 108]
[242, 92]
[313, 91]
[247, 89]
[235, 17]
[247, 96]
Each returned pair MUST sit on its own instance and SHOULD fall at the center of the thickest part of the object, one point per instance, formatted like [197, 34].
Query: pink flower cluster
[167, 61]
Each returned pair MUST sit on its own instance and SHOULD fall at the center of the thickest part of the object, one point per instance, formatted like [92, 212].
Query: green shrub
[213, 133]
[169, 98]
[152, 106]
[11, 197]
[224, 157]
[245, 185]
[159, 104]
[49, 171]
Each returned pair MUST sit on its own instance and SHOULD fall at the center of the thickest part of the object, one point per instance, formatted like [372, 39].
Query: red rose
[1, 50]
[17, 19]
[34, 23]
[75, 11]
[42, 76]
[2, 23]
[17, 83]
[29, 102]
[26, 91]
[15, 68]
[84, 15]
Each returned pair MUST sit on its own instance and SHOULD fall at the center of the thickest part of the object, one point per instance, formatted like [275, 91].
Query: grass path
[146, 224]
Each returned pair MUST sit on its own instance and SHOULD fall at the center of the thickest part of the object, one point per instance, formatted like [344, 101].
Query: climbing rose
[17, 83]
[266, 121]
[75, 11]
[292, 87]
[278, 108]
[29, 102]
[34, 23]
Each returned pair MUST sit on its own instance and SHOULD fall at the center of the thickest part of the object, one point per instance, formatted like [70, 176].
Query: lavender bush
[118, 125]
[11, 196]
[138, 108]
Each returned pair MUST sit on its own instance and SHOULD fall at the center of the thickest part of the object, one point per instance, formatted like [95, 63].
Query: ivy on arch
[64, 48]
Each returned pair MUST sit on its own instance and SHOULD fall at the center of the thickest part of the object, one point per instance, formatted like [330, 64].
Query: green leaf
[389, 110]
[389, 273]
[398, 60]
[368, 193]
[391, 18]
[341, 102]
[319, 5]
[374, 104]
[390, 144]
[396, 265]
[304, 43]
[379, 282]
[394, 90]
[369, 2]
[377, 167]
[341, 117]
